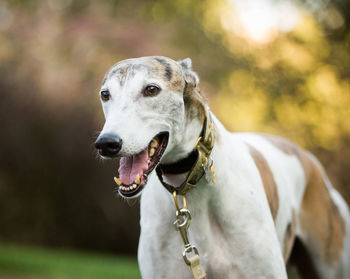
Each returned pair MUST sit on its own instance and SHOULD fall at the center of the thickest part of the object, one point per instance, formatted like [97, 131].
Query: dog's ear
[190, 76]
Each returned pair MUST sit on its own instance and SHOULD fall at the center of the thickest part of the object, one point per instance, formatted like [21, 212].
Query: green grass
[18, 262]
[22, 262]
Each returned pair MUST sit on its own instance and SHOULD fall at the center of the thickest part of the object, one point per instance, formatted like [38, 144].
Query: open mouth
[134, 170]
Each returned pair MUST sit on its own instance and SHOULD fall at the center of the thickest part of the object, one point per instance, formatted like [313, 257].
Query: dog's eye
[151, 90]
[105, 96]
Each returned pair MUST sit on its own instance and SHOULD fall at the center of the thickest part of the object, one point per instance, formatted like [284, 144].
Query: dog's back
[300, 193]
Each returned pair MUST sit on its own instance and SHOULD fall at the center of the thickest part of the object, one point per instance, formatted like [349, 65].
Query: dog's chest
[210, 231]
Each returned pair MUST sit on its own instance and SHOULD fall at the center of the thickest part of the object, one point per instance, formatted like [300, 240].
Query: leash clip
[182, 223]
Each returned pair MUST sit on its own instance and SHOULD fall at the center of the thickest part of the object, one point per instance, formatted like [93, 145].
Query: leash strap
[182, 223]
[199, 163]
[203, 165]
[196, 269]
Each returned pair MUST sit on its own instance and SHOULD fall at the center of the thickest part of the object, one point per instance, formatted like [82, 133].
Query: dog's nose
[108, 145]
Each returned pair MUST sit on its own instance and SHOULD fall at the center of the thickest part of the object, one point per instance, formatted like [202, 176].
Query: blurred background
[280, 67]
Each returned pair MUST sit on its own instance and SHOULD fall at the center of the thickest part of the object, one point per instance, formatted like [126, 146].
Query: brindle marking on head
[160, 67]
[194, 105]
[267, 180]
[177, 82]
[121, 72]
[168, 70]
[289, 237]
[193, 100]
[320, 218]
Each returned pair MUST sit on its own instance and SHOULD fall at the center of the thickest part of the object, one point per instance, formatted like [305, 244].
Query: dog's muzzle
[108, 145]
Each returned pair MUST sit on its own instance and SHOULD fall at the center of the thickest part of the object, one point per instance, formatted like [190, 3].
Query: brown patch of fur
[289, 237]
[291, 148]
[194, 105]
[167, 69]
[157, 69]
[320, 218]
[175, 79]
[177, 82]
[267, 179]
[168, 72]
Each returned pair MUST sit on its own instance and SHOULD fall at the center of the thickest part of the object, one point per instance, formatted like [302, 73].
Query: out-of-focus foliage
[54, 53]
[295, 84]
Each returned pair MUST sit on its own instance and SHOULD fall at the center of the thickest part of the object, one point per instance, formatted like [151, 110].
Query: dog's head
[143, 100]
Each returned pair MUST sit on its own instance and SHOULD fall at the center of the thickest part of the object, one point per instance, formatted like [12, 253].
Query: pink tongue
[130, 167]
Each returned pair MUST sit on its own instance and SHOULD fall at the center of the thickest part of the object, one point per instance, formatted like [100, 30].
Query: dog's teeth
[117, 181]
[154, 143]
[134, 186]
[148, 161]
[137, 179]
[151, 152]
[122, 187]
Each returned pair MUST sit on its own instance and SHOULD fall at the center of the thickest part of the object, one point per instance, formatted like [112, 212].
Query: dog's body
[268, 191]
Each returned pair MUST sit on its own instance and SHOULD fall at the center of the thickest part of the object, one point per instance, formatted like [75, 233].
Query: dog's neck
[182, 158]
[186, 136]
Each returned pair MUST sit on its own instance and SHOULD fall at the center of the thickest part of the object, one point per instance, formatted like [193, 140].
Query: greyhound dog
[266, 203]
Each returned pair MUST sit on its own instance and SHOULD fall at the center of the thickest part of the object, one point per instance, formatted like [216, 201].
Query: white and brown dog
[272, 201]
